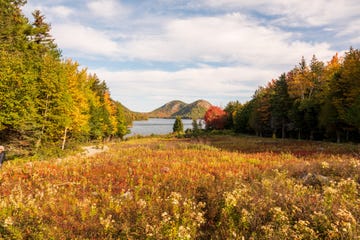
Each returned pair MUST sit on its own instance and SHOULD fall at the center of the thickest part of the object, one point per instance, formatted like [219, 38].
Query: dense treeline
[44, 99]
[316, 101]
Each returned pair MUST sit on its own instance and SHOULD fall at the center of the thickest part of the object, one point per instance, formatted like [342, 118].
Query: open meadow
[211, 187]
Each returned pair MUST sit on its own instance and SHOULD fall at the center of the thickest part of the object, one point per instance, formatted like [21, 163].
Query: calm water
[156, 126]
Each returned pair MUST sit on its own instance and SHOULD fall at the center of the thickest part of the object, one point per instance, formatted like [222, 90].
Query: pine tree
[280, 105]
[41, 37]
[195, 126]
[178, 126]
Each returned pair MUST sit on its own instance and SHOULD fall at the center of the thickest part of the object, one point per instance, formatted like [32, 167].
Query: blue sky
[153, 51]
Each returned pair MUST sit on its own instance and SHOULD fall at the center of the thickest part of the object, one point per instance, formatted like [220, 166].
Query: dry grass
[218, 187]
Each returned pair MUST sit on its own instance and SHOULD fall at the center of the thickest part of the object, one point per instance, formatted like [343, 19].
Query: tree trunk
[338, 136]
[274, 134]
[38, 142]
[283, 129]
[312, 135]
[64, 139]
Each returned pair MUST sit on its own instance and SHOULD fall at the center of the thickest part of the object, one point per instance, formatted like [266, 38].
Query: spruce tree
[178, 126]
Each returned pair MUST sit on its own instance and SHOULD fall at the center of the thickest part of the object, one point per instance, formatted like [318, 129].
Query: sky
[150, 52]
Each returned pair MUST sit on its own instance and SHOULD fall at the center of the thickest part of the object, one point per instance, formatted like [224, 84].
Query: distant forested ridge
[316, 101]
[45, 99]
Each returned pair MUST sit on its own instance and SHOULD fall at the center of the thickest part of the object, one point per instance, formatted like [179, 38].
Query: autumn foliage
[218, 187]
[315, 101]
[215, 118]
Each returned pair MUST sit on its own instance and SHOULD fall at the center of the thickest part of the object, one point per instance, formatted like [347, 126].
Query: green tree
[260, 116]
[14, 27]
[122, 124]
[242, 117]
[195, 127]
[280, 105]
[43, 99]
[305, 84]
[100, 123]
[178, 126]
[53, 101]
[17, 75]
[350, 79]
[231, 109]
[41, 37]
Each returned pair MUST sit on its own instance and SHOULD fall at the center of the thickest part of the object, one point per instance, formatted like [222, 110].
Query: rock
[315, 180]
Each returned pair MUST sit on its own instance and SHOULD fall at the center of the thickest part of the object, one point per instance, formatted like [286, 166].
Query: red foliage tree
[215, 118]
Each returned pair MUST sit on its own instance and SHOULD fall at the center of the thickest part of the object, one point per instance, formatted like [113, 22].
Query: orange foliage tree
[215, 118]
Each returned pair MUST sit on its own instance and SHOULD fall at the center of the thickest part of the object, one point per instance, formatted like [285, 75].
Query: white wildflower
[325, 165]
[127, 195]
[230, 200]
[184, 232]
[141, 203]
[107, 222]
[8, 222]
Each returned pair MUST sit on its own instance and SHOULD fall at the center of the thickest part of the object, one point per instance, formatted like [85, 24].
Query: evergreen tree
[41, 37]
[122, 124]
[260, 116]
[17, 75]
[195, 127]
[231, 109]
[280, 104]
[242, 117]
[178, 126]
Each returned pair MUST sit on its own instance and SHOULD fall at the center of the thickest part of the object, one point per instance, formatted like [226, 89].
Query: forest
[47, 100]
[316, 101]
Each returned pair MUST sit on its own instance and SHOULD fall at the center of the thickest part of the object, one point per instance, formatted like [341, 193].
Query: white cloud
[108, 9]
[294, 12]
[351, 31]
[61, 12]
[156, 87]
[84, 40]
[52, 13]
[228, 38]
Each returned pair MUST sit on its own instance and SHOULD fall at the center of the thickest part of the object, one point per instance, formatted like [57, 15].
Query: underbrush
[212, 187]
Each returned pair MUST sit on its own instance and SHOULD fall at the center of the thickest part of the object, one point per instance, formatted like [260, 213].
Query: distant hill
[175, 108]
[167, 110]
[131, 115]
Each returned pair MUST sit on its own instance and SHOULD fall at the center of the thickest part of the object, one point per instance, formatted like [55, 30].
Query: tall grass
[218, 187]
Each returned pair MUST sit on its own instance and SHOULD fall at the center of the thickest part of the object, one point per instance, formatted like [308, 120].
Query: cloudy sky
[150, 52]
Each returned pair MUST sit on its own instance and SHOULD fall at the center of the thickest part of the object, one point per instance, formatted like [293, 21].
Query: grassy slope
[164, 188]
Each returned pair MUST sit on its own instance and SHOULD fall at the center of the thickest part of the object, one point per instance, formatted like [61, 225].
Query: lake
[156, 126]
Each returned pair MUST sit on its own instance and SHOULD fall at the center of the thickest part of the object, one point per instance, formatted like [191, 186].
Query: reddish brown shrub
[215, 118]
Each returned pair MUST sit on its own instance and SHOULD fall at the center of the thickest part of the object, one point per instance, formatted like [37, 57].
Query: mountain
[175, 108]
[167, 110]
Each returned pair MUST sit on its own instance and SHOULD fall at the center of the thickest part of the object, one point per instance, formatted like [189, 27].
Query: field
[214, 187]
